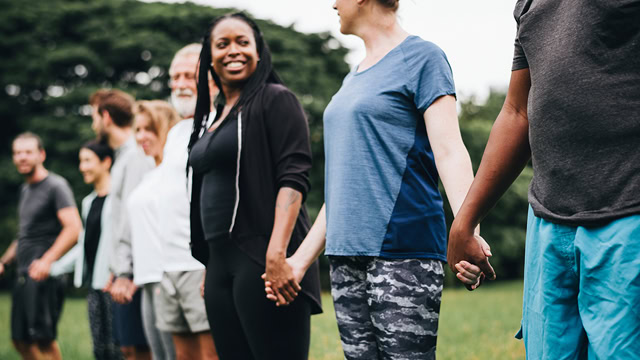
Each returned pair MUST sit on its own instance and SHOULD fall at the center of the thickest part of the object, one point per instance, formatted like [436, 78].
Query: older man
[179, 308]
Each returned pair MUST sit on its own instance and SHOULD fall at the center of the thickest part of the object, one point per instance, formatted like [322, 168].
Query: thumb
[487, 269]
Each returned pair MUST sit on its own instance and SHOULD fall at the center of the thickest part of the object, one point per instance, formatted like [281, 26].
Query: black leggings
[246, 325]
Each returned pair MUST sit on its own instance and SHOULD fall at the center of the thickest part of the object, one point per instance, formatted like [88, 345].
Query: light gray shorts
[179, 306]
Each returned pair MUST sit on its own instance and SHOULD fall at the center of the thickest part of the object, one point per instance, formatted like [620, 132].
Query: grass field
[476, 325]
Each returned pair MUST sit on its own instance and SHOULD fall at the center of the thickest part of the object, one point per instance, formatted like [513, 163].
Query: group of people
[196, 232]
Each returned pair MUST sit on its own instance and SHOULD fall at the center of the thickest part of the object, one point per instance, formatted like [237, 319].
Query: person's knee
[21, 346]
[128, 351]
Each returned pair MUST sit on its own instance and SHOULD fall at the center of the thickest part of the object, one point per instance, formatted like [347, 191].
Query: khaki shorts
[179, 306]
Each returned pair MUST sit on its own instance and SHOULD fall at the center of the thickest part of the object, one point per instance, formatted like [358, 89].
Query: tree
[57, 52]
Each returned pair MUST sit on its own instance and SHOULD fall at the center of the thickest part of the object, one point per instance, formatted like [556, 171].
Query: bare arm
[307, 253]
[451, 156]
[506, 154]
[71, 226]
[288, 203]
[8, 256]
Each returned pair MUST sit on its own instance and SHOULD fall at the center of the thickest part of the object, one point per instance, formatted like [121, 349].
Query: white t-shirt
[173, 201]
[146, 241]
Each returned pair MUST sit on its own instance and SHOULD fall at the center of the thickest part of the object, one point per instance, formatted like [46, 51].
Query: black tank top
[215, 155]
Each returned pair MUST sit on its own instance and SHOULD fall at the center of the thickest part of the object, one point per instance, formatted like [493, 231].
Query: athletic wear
[179, 307]
[146, 239]
[36, 307]
[160, 342]
[581, 290]
[387, 309]
[246, 325]
[100, 323]
[129, 167]
[92, 232]
[38, 217]
[275, 152]
[215, 158]
[583, 108]
[380, 174]
[75, 261]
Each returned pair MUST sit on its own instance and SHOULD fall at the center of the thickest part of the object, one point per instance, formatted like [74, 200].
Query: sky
[477, 36]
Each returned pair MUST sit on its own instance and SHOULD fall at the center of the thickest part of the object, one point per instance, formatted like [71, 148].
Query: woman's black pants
[246, 325]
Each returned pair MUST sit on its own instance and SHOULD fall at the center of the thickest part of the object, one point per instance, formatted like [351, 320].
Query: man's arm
[71, 226]
[506, 154]
[8, 255]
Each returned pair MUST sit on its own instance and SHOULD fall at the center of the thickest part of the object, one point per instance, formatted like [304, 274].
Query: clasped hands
[282, 279]
[468, 257]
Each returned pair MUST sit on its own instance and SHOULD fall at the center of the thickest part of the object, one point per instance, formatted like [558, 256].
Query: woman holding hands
[250, 178]
[390, 132]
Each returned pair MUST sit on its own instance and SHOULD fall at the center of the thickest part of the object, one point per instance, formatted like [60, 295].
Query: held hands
[122, 290]
[468, 257]
[282, 279]
[39, 269]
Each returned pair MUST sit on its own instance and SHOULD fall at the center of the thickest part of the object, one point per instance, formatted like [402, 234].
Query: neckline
[357, 73]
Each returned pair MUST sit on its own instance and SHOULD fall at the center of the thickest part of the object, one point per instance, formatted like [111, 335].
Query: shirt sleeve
[430, 73]
[288, 133]
[122, 263]
[63, 195]
[519, 57]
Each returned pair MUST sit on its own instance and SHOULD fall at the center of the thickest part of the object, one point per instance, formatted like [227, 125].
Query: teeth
[235, 65]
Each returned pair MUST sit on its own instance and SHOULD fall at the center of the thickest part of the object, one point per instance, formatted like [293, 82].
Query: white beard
[183, 105]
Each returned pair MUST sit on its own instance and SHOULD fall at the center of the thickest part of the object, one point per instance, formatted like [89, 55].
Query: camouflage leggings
[387, 309]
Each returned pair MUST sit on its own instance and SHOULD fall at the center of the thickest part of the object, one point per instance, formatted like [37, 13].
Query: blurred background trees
[55, 53]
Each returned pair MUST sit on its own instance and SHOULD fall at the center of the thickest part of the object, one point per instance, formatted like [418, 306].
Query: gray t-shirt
[584, 107]
[38, 216]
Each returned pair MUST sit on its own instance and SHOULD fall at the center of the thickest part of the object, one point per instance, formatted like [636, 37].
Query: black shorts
[35, 309]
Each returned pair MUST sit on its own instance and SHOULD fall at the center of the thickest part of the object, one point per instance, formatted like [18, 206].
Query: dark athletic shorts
[35, 309]
[127, 323]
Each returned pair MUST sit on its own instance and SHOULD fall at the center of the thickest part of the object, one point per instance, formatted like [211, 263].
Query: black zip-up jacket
[275, 152]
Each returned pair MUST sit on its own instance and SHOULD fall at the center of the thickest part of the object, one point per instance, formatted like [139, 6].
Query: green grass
[473, 325]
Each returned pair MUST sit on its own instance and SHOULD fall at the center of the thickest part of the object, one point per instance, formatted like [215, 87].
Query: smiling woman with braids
[250, 179]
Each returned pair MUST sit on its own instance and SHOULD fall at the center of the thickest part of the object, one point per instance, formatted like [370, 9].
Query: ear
[106, 119]
[107, 162]
[43, 155]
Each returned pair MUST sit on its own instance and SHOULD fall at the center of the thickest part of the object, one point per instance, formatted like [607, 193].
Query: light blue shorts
[582, 290]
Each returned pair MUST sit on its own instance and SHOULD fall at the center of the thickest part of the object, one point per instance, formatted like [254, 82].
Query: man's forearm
[506, 154]
[65, 241]
[10, 254]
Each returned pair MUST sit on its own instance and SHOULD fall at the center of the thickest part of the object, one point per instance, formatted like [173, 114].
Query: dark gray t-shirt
[584, 107]
[37, 211]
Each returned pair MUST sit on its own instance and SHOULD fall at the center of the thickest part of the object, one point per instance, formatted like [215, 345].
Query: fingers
[467, 273]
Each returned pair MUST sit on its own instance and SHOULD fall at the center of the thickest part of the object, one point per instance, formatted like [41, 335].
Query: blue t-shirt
[381, 181]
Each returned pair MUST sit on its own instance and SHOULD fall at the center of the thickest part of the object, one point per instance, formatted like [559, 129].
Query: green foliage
[57, 52]
[504, 227]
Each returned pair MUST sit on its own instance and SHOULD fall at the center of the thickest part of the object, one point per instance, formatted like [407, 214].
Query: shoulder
[183, 126]
[57, 181]
[417, 50]
[275, 92]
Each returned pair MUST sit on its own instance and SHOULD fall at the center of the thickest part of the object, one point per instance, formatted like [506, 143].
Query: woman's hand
[282, 280]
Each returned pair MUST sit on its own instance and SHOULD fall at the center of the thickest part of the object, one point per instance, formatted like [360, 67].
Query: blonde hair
[162, 116]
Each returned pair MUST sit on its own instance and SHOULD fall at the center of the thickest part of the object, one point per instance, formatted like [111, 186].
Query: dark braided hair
[263, 74]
